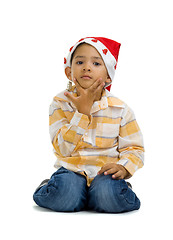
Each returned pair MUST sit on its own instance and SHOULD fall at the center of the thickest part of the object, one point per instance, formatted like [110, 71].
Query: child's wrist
[84, 112]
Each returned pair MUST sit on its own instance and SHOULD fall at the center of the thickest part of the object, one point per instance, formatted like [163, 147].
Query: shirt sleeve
[130, 144]
[65, 135]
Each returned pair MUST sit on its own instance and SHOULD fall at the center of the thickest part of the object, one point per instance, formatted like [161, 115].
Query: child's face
[87, 66]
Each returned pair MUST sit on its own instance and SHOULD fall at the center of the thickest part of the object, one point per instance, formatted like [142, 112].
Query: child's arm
[66, 135]
[130, 146]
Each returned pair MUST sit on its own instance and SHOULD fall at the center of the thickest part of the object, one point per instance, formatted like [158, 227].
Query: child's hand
[117, 171]
[86, 97]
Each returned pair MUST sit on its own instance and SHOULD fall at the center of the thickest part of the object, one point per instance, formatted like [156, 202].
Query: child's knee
[71, 192]
[109, 195]
[65, 191]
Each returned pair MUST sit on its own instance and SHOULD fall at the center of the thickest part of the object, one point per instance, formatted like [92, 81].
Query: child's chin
[85, 86]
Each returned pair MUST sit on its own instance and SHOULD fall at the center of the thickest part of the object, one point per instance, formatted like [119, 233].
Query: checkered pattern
[84, 144]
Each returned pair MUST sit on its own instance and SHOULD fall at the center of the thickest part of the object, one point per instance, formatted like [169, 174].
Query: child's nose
[86, 67]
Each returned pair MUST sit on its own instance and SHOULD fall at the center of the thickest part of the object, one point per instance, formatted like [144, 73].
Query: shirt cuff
[128, 165]
[80, 120]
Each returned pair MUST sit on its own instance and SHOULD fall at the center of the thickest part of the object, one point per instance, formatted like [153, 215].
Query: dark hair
[75, 51]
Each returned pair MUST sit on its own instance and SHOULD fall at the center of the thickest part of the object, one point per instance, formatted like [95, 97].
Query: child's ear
[68, 73]
[108, 80]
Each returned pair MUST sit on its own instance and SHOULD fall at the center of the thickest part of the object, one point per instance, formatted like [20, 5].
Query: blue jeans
[67, 191]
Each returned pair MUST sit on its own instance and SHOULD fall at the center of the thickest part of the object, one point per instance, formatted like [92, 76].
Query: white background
[35, 36]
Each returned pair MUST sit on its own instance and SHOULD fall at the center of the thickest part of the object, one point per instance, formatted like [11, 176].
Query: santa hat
[108, 49]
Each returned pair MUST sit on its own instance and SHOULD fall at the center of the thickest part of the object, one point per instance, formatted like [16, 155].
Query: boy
[95, 136]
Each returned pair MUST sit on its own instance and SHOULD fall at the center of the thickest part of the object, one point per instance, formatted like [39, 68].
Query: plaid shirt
[84, 144]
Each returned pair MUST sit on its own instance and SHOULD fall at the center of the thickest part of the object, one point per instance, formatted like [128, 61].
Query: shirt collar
[107, 99]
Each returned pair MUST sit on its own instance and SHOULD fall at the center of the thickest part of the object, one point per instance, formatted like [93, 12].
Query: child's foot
[44, 182]
[129, 185]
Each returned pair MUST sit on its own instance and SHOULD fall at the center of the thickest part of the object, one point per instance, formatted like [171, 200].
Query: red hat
[108, 49]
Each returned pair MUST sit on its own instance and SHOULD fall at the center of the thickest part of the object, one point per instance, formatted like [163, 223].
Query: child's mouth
[86, 77]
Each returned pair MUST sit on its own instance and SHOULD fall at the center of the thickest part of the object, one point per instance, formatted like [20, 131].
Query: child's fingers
[100, 87]
[101, 171]
[70, 97]
[110, 171]
[106, 167]
[114, 169]
[78, 86]
[118, 175]
[95, 85]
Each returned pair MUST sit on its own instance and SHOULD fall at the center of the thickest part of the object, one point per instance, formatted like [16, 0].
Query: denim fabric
[67, 191]
[109, 195]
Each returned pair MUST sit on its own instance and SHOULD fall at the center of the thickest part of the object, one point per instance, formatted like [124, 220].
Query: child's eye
[79, 62]
[96, 63]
